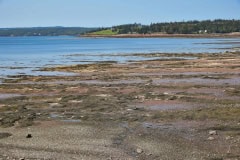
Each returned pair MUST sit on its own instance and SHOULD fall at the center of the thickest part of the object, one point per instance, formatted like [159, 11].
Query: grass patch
[81, 67]
[217, 113]
[8, 108]
[104, 32]
[225, 128]
[233, 91]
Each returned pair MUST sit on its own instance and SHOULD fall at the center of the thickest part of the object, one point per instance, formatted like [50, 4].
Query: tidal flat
[164, 108]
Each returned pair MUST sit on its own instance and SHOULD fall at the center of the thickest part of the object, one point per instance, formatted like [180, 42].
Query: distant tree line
[189, 27]
[44, 31]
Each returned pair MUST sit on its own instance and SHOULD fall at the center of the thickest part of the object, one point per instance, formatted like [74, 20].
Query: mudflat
[176, 107]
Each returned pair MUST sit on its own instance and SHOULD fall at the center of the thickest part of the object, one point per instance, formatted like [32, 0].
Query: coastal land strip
[163, 35]
[166, 108]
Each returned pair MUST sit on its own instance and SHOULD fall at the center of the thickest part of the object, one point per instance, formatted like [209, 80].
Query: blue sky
[98, 13]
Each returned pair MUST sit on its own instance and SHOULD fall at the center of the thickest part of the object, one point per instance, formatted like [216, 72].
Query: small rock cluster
[211, 134]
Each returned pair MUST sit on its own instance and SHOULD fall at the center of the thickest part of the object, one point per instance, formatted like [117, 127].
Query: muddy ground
[167, 108]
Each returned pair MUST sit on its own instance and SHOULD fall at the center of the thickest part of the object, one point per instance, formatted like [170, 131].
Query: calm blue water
[32, 53]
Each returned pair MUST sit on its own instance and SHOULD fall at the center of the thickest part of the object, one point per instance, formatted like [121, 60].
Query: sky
[106, 13]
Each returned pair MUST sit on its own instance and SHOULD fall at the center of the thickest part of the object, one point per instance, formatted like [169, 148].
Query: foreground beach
[182, 106]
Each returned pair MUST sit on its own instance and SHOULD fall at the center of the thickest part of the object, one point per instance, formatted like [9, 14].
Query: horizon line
[59, 26]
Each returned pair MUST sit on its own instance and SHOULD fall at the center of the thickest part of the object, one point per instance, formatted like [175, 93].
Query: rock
[23, 108]
[103, 95]
[21, 158]
[59, 99]
[172, 98]
[29, 136]
[211, 138]
[75, 101]
[54, 104]
[213, 132]
[149, 154]
[228, 138]
[139, 151]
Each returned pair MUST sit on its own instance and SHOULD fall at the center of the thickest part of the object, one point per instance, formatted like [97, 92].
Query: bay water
[26, 55]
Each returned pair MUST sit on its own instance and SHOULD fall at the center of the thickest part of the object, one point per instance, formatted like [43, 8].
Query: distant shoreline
[216, 35]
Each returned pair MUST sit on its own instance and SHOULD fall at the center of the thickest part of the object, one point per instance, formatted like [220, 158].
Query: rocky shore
[176, 107]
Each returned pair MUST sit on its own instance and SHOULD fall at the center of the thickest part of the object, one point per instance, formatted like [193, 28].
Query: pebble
[29, 136]
[75, 101]
[54, 104]
[212, 132]
[211, 138]
[139, 150]
[228, 138]
[103, 95]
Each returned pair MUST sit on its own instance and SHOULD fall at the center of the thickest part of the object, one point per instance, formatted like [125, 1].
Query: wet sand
[155, 109]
